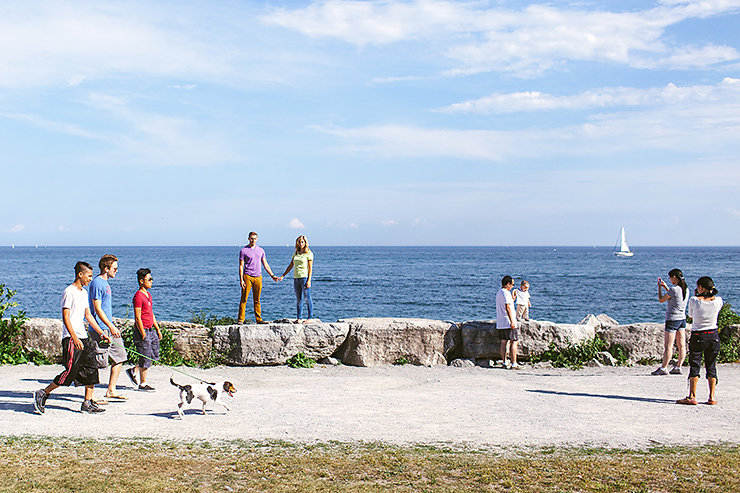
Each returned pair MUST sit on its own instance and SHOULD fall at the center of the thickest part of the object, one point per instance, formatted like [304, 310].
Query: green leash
[159, 363]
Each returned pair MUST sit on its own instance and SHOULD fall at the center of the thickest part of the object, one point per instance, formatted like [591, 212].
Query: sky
[423, 122]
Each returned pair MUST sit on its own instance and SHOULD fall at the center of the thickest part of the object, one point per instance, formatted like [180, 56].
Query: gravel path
[475, 407]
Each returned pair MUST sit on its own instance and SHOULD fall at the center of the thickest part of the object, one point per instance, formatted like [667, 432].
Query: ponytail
[708, 284]
[678, 274]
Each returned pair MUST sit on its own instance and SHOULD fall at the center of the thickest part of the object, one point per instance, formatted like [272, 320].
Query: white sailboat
[621, 249]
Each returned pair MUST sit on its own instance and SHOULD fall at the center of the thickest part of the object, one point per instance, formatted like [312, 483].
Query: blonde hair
[298, 248]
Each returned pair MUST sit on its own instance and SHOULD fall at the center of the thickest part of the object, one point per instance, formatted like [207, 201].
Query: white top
[522, 297]
[75, 299]
[503, 298]
[704, 313]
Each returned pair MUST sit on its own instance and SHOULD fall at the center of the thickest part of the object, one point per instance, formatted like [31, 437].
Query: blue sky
[370, 123]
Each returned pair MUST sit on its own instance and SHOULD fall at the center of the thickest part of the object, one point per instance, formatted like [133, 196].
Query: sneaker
[659, 371]
[146, 388]
[132, 376]
[39, 401]
[508, 365]
[516, 366]
[91, 408]
[675, 371]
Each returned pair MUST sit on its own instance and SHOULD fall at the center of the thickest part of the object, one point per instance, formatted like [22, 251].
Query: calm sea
[447, 283]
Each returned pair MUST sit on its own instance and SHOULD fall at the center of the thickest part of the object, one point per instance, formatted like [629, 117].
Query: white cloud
[600, 98]
[62, 228]
[388, 222]
[702, 123]
[295, 223]
[144, 137]
[526, 42]
[17, 228]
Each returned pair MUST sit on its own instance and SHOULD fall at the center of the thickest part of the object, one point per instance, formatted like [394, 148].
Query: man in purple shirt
[251, 260]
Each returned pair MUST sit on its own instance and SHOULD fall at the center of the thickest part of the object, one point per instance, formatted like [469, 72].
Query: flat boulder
[276, 343]
[641, 341]
[45, 336]
[480, 338]
[192, 341]
[383, 341]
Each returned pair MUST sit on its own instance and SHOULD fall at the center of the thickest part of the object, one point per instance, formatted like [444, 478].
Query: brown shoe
[710, 402]
[687, 401]
[262, 322]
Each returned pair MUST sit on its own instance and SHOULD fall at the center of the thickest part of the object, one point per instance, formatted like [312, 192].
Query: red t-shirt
[144, 301]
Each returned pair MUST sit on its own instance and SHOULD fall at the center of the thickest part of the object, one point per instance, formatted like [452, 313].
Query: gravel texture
[470, 407]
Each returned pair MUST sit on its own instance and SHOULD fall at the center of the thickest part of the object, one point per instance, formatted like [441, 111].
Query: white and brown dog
[206, 392]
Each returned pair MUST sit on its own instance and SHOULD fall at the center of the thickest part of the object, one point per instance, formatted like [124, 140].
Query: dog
[206, 392]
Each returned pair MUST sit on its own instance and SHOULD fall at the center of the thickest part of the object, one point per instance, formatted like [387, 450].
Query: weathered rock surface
[382, 341]
[45, 336]
[463, 363]
[480, 338]
[642, 341]
[274, 344]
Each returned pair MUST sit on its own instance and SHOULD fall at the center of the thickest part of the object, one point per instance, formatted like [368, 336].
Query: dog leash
[159, 363]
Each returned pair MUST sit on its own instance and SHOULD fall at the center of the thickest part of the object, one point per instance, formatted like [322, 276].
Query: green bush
[300, 360]
[401, 360]
[575, 356]
[729, 341]
[168, 355]
[11, 349]
[205, 318]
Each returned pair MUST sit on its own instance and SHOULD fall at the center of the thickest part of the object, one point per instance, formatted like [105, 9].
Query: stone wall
[375, 341]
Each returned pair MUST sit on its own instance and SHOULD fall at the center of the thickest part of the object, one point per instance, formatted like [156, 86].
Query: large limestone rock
[274, 344]
[383, 341]
[45, 336]
[480, 338]
[642, 341]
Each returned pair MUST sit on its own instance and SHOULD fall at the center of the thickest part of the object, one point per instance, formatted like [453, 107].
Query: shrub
[205, 318]
[300, 360]
[575, 356]
[729, 341]
[168, 355]
[11, 349]
[402, 360]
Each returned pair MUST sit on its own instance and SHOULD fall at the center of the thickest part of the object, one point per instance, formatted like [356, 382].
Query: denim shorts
[674, 325]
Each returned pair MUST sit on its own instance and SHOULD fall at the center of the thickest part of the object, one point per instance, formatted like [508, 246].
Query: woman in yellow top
[302, 263]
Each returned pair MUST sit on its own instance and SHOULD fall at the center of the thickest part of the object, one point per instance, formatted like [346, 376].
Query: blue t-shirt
[100, 290]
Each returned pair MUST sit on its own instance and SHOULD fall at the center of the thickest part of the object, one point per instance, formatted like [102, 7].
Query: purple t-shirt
[252, 258]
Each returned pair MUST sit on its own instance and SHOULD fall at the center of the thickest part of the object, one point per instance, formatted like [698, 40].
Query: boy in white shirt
[78, 350]
[521, 296]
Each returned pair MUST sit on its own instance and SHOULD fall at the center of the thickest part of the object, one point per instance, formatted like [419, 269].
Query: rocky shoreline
[378, 341]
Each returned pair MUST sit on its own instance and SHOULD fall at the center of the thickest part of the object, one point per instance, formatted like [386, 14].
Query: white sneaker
[508, 365]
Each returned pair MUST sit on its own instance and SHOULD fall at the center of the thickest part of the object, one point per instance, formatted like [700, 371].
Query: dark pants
[79, 364]
[703, 344]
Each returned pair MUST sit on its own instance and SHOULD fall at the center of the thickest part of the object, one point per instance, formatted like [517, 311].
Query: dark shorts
[674, 325]
[703, 344]
[149, 347]
[508, 334]
[79, 364]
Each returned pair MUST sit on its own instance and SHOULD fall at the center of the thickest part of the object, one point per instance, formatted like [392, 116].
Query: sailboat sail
[623, 248]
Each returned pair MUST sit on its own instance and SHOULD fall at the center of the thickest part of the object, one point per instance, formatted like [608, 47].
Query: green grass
[31, 464]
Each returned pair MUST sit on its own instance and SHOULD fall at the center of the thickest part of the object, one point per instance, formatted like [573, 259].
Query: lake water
[447, 283]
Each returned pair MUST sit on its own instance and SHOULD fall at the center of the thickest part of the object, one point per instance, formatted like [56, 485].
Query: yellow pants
[252, 284]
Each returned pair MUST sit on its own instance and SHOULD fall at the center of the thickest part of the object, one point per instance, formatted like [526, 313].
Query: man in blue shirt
[101, 306]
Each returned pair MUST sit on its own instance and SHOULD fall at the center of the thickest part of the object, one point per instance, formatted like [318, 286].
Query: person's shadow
[603, 396]
[22, 402]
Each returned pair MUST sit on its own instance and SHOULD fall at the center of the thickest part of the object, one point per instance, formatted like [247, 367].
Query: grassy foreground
[32, 464]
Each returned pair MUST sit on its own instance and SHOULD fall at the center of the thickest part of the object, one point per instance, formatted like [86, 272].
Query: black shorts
[79, 364]
[508, 334]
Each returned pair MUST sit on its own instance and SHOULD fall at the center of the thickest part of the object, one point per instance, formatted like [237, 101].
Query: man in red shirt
[146, 330]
